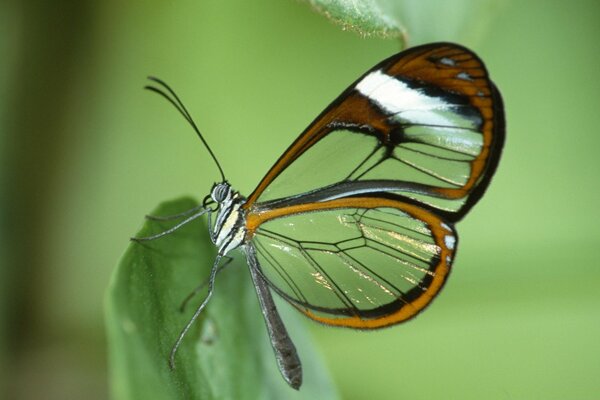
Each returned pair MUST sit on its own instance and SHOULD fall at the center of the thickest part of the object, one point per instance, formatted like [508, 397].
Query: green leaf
[412, 21]
[226, 354]
[366, 17]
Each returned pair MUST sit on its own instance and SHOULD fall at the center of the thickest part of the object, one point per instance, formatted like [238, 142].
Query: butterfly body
[229, 228]
[354, 223]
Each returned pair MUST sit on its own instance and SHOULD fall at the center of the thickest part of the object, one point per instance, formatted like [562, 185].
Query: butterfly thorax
[229, 229]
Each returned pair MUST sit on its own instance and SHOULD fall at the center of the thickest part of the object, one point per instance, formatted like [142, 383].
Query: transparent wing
[363, 262]
[427, 124]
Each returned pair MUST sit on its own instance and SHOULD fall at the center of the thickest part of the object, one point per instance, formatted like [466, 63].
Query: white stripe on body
[228, 235]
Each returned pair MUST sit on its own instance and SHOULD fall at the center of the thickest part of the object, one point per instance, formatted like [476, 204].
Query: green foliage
[226, 354]
[414, 22]
[368, 17]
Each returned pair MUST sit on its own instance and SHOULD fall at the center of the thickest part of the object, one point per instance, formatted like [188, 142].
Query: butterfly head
[223, 195]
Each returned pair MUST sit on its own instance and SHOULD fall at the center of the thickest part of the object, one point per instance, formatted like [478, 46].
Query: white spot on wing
[447, 61]
[464, 76]
[396, 98]
[450, 241]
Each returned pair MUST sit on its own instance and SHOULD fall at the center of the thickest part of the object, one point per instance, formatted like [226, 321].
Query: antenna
[174, 100]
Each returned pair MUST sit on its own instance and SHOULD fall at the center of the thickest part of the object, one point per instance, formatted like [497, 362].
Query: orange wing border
[394, 312]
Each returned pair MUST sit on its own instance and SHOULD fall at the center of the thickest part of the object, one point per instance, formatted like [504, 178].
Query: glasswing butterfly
[354, 224]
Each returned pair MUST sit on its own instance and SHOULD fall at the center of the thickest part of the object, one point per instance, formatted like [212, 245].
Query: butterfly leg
[203, 284]
[173, 229]
[211, 231]
[211, 283]
[174, 216]
[285, 352]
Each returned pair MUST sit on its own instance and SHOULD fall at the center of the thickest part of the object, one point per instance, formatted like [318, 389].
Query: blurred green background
[85, 153]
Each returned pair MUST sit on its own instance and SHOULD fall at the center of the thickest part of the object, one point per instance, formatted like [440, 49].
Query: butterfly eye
[220, 192]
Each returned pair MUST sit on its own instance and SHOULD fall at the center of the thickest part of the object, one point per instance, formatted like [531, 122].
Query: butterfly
[354, 224]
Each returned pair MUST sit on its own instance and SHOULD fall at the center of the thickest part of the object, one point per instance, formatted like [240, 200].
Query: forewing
[427, 123]
[363, 262]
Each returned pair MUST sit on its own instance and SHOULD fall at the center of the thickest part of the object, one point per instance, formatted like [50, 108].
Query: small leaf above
[226, 354]
[367, 17]
[414, 22]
